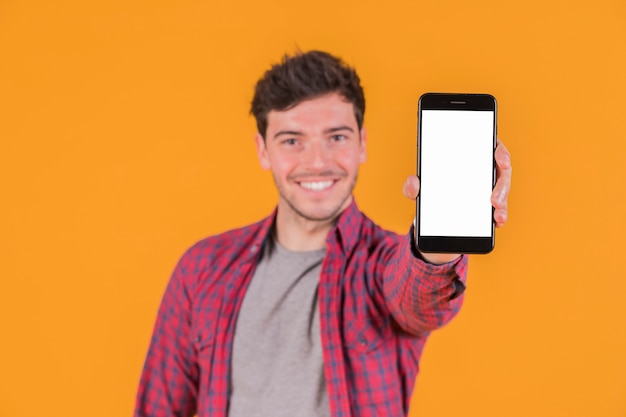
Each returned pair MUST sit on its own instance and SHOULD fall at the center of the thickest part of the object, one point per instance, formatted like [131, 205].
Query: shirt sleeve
[421, 296]
[168, 384]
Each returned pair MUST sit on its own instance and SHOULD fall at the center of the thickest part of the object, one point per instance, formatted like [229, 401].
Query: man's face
[313, 150]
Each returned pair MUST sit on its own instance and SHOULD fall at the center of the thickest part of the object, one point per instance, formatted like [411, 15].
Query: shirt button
[363, 341]
[253, 248]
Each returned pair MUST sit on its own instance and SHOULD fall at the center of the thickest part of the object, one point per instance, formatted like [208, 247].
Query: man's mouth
[316, 185]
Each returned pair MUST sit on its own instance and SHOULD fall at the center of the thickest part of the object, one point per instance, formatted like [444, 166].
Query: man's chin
[320, 214]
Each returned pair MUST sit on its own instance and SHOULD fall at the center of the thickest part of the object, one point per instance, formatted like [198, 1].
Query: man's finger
[500, 216]
[504, 170]
[411, 187]
[503, 156]
[503, 161]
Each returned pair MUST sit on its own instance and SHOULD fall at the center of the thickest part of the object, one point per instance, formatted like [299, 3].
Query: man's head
[302, 77]
[309, 110]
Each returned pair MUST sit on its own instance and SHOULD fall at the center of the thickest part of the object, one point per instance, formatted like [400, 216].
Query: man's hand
[499, 197]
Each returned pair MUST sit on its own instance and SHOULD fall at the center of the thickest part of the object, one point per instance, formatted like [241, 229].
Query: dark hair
[304, 76]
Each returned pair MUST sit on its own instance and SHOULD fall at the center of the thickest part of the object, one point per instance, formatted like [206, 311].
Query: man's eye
[290, 141]
[338, 138]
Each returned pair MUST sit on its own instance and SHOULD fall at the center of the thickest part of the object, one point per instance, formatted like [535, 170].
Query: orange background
[125, 137]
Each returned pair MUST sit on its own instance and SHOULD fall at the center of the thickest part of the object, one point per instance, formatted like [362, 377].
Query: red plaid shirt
[378, 302]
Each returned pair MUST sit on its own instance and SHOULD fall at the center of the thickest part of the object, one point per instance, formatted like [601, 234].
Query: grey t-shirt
[277, 360]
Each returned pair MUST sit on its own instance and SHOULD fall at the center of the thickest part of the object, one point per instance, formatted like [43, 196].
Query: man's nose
[316, 156]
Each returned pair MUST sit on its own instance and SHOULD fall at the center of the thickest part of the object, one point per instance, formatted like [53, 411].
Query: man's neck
[298, 234]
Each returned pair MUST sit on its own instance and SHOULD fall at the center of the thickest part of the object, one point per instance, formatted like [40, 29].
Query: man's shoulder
[370, 227]
[232, 235]
[233, 244]
[362, 233]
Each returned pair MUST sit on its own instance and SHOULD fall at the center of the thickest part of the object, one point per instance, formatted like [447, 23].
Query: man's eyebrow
[288, 132]
[338, 128]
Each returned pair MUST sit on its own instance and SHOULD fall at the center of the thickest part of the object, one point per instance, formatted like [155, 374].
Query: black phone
[456, 141]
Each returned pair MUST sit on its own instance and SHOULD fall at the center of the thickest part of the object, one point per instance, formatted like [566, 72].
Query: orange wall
[125, 138]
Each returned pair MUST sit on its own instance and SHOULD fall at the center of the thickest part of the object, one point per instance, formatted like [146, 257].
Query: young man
[315, 310]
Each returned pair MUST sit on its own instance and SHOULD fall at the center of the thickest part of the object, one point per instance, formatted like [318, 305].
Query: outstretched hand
[499, 197]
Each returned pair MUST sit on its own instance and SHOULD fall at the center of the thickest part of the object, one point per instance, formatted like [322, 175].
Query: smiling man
[315, 310]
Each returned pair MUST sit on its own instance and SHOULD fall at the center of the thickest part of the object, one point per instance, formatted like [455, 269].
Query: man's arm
[168, 385]
[424, 291]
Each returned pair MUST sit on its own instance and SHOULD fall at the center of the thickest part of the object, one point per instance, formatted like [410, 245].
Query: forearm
[422, 296]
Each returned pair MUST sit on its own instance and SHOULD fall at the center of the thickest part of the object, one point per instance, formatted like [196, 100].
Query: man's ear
[261, 151]
[363, 152]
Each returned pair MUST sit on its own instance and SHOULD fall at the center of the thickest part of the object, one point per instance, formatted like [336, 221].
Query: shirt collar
[347, 229]
[344, 232]
[261, 236]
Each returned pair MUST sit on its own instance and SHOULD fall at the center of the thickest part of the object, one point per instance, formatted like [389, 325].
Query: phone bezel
[455, 101]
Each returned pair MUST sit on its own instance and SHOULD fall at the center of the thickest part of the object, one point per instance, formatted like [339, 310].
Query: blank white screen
[456, 173]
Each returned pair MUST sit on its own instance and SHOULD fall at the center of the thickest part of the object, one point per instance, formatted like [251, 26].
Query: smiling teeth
[316, 186]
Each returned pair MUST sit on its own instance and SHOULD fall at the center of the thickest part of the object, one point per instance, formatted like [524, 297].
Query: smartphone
[456, 142]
